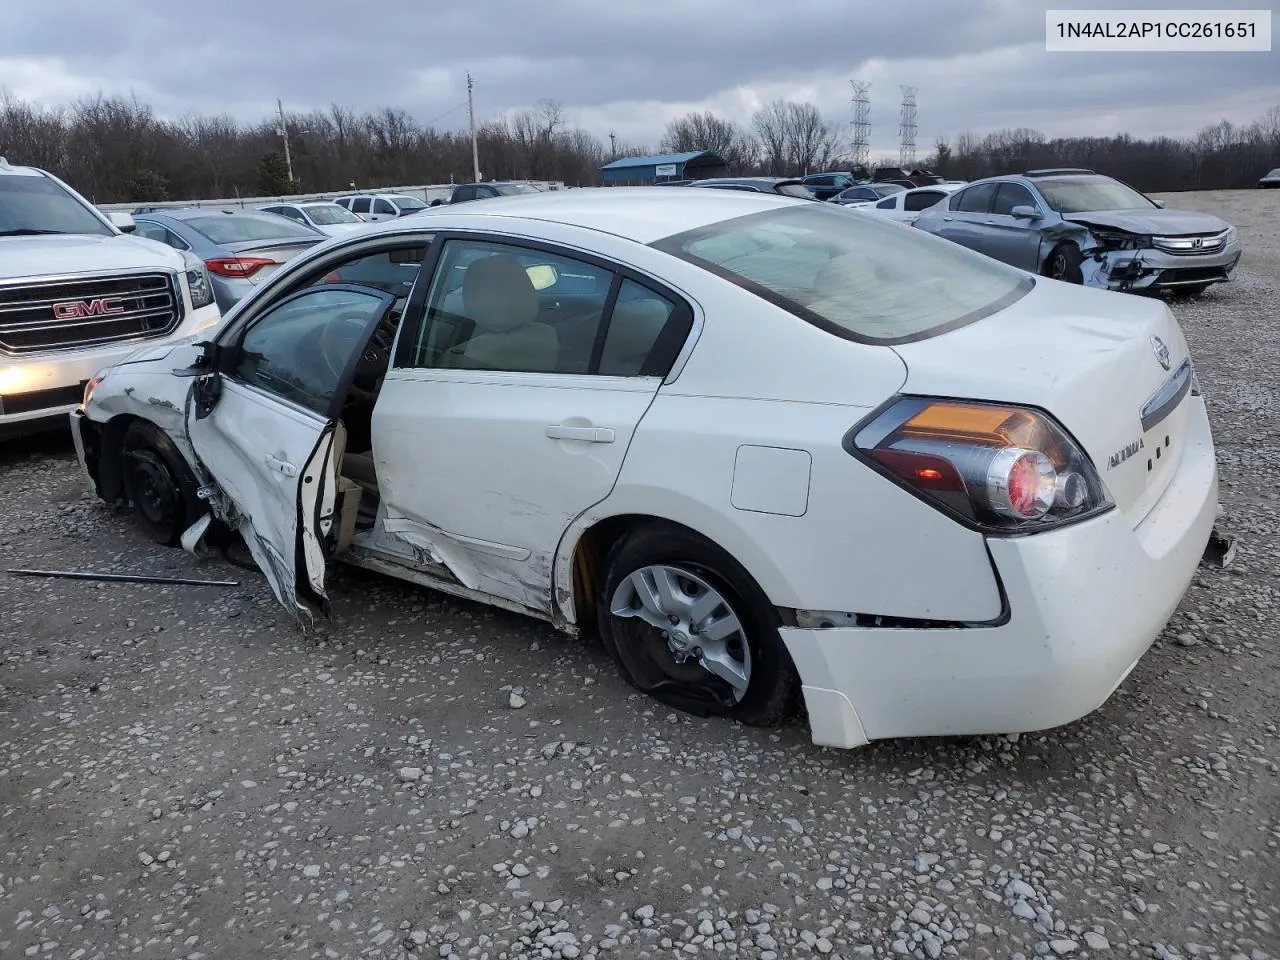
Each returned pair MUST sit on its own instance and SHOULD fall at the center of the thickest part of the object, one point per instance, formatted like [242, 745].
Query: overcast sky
[626, 67]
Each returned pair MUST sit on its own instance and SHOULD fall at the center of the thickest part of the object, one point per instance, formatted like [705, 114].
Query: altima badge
[1162, 352]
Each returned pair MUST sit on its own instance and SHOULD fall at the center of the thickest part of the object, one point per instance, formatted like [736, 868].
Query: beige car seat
[499, 298]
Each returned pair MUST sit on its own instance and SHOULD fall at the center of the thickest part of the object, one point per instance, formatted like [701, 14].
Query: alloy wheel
[694, 629]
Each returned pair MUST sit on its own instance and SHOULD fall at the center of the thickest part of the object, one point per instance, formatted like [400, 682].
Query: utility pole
[471, 111]
[613, 146]
[284, 134]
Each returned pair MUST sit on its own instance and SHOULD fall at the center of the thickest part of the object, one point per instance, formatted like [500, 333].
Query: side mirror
[1025, 212]
[1159, 203]
[122, 221]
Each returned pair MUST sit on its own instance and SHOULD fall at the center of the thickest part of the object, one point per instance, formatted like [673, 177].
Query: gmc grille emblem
[101, 307]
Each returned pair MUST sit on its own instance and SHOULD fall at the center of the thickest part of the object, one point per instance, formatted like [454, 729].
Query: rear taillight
[237, 266]
[999, 468]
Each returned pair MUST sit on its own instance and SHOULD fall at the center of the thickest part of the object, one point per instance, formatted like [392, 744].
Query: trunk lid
[280, 251]
[1091, 359]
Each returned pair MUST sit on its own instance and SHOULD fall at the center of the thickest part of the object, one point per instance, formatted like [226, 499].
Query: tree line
[115, 149]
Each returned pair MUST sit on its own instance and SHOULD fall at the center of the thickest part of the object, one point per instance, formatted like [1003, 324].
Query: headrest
[498, 295]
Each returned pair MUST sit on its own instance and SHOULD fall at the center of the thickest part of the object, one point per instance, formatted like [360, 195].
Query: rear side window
[860, 278]
[887, 204]
[976, 199]
[922, 200]
[229, 228]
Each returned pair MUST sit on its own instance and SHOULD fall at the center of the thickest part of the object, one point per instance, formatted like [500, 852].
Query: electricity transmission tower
[861, 123]
[907, 129]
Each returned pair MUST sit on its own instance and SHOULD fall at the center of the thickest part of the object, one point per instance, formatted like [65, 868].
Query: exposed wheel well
[592, 551]
[110, 469]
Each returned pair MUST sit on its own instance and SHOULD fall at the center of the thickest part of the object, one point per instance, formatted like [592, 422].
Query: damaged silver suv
[1081, 227]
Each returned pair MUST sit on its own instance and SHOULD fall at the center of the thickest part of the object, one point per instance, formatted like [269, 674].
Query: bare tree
[117, 149]
[706, 131]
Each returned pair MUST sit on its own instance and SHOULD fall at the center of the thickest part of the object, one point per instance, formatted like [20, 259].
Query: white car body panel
[22, 257]
[1058, 365]
[59, 261]
[496, 507]
[897, 209]
[743, 443]
[266, 453]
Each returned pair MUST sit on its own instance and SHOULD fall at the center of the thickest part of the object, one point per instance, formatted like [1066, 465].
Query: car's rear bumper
[1084, 604]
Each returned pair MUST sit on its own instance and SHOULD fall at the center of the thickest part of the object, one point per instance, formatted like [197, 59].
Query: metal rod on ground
[471, 112]
[122, 578]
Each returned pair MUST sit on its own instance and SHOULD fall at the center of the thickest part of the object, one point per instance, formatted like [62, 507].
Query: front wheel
[158, 484]
[688, 626]
[1064, 264]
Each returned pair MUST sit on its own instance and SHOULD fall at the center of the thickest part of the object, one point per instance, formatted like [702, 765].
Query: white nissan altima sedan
[773, 454]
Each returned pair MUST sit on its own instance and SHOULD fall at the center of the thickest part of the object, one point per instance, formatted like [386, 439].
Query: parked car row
[1068, 224]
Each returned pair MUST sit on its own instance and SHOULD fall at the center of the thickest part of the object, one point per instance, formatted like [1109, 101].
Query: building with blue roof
[663, 168]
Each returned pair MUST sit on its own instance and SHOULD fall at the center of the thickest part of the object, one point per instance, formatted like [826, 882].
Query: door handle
[559, 431]
[284, 466]
[989, 223]
[948, 219]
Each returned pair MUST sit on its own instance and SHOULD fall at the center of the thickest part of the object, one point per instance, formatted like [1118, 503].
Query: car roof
[642, 214]
[11, 170]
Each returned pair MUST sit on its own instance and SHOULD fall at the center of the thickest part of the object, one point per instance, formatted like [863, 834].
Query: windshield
[328, 213]
[409, 203]
[231, 228]
[510, 189]
[858, 277]
[1084, 194]
[1273, 173]
[884, 189]
[35, 205]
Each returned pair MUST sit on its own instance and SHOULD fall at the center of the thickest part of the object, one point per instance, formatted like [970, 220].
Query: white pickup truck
[77, 294]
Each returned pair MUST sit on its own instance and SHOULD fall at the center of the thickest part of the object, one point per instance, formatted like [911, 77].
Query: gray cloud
[625, 68]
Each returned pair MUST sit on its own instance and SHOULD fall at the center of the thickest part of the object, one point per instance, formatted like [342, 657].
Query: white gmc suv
[78, 294]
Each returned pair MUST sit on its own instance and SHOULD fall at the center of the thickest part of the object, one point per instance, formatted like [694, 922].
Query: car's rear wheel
[1194, 290]
[1063, 264]
[687, 625]
[158, 484]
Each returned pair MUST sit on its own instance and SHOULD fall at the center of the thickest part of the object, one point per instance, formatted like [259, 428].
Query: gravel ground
[183, 774]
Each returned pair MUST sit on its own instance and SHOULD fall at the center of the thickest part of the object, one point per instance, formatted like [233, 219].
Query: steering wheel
[339, 338]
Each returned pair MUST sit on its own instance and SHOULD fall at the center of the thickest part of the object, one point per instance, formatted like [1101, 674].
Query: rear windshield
[794, 190]
[1086, 194]
[32, 205]
[230, 228]
[856, 276]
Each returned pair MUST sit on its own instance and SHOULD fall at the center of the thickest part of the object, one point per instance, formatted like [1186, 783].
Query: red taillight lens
[237, 266]
[1000, 468]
